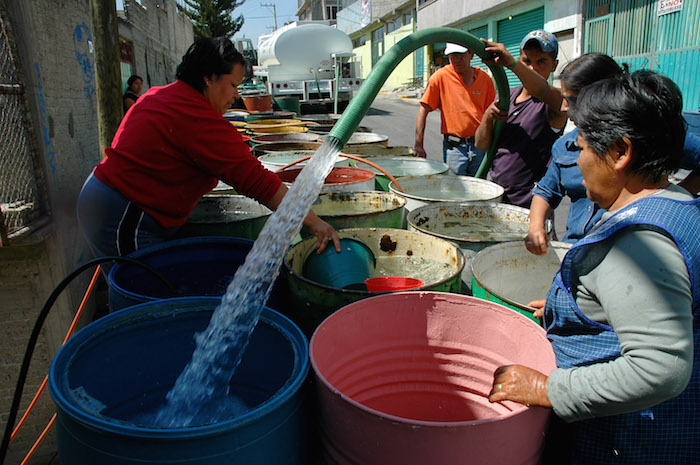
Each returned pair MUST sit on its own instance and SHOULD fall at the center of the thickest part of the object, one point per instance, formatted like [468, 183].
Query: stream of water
[200, 395]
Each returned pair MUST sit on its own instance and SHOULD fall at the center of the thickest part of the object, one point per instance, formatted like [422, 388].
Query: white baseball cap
[454, 48]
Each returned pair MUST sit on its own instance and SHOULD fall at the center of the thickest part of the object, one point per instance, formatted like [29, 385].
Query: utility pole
[108, 75]
[274, 10]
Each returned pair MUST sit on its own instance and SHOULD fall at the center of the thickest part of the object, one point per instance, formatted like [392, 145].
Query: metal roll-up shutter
[482, 33]
[511, 32]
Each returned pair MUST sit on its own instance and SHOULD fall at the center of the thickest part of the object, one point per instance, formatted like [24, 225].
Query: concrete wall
[381, 8]
[449, 12]
[313, 10]
[160, 35]
[349, 18]
[55, 47]
[404, 72]
[363, 54]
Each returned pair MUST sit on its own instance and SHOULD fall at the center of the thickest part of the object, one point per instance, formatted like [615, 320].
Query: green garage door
[634, 32]
[482, 33]
[512, 30]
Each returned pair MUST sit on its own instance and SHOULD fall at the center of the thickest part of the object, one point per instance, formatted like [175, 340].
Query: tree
[213, 18]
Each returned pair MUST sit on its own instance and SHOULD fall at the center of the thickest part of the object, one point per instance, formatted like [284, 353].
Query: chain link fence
[23, 204]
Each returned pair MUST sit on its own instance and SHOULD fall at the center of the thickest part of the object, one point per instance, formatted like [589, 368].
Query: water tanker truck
[310, 61]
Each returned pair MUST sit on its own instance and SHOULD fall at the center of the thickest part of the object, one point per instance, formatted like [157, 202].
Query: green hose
[359, 105]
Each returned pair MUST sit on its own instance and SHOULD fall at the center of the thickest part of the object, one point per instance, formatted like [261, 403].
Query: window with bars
[331, 11]
[359, 41]
[393, 24]
[23, 201]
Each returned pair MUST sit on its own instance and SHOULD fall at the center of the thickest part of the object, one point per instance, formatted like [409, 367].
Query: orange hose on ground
[71, 329]
[38, 441]
[352, 157]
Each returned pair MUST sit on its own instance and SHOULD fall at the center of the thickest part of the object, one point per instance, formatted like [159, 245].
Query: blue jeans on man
[461, 155]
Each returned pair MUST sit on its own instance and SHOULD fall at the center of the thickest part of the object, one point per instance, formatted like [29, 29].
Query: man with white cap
[462, 94]
[534, 119]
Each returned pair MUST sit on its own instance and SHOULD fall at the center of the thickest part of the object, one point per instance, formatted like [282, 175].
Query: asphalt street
[395, 117]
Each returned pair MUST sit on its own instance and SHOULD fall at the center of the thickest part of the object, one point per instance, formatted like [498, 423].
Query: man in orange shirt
[462, 93]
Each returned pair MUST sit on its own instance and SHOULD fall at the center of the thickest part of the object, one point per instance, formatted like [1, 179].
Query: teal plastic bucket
[124, 364]
[347, 269]
[288, 103]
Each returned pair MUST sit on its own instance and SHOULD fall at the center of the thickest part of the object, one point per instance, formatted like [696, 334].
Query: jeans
[463, 159]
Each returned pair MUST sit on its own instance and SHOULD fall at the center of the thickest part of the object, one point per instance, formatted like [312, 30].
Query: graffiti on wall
[82, 42]
[45, 134]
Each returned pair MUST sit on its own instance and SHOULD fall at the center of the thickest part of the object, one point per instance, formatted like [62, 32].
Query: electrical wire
[38, 441]
[69, 333]
[34, 337]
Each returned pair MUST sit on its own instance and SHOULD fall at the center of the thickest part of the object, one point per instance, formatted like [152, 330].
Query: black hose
[14, 409]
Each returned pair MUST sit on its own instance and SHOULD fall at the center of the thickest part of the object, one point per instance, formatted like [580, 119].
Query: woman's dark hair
[132, 79]
[588, 69]
[207, 57]
[646, 108]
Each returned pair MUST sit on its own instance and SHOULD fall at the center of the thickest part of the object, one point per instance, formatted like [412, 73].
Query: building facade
[153, 35]
[317, 10]
[374, 27]
[506, 22]
[645, 34]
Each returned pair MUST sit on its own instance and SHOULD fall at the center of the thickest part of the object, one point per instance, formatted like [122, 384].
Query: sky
[259, 19]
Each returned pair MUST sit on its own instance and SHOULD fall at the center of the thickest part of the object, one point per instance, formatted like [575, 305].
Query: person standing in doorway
[133, 90]
[462, 93]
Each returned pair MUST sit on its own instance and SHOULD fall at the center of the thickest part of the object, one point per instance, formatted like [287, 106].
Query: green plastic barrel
[226, 215]
[373, 209]
[437, 262]
[472, 225]
[508, 274]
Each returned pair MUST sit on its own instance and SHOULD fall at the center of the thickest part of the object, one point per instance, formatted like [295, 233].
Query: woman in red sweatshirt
[170, 150]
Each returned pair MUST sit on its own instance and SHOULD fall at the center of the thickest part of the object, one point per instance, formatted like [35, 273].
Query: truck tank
[291, 52]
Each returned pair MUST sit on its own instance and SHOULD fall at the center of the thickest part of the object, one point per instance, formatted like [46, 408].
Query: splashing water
[202, 388]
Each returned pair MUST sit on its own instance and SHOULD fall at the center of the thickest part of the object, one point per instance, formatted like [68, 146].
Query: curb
[410, 99]
[403, 97]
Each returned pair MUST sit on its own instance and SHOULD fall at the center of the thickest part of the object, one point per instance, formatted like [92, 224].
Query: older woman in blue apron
[623, 312]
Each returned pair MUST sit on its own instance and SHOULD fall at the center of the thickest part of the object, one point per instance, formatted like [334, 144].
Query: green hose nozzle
[359, 105]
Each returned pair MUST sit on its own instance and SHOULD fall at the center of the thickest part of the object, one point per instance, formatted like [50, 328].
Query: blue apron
[668, 433]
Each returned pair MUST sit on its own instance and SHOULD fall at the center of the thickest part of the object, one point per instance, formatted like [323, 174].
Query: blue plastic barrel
[124, 364]
[196, 266]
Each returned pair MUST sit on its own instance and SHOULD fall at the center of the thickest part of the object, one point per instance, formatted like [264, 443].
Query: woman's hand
[520, 384]
[536, 240]
[501, 55]
[539, 306]
[323, 231]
